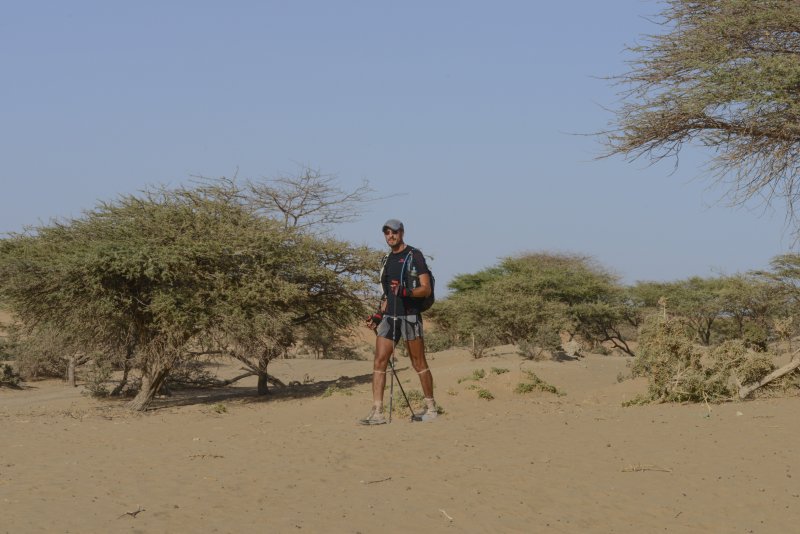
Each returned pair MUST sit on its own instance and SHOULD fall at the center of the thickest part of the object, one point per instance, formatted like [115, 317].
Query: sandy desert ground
[227, 461]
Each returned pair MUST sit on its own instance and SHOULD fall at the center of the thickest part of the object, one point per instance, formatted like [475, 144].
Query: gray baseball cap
[393, 224]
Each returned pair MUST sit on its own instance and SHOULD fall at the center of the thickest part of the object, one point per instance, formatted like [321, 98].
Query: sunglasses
[387, 231]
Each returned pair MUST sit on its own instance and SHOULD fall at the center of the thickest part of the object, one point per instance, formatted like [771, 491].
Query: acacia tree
[724, 74]
[744, 303]
[156, 275]
[318, 288]
[784, 275]
[329, 282]
[532, 297]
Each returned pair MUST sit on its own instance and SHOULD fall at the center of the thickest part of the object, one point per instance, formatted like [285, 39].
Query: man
[405, 279]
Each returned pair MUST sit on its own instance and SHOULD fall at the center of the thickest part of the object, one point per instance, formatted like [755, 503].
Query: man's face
[393, 237]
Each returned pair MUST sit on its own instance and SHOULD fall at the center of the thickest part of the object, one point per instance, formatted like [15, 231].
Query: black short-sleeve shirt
[394, 269]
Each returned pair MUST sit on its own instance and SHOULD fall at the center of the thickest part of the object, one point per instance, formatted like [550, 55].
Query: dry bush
[678, 370]
[734, 360]
[672, 363]
[742, 365]
[39, 357]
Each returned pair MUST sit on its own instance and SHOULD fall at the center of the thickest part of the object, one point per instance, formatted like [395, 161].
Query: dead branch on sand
[793, 364]
[376, 481]
[133, 514]
[637, 468]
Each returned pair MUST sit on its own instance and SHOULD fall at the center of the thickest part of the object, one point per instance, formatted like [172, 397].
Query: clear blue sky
[466, 109]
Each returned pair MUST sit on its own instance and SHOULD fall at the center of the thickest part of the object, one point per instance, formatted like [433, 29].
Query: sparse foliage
[308, 199]
[724, 75]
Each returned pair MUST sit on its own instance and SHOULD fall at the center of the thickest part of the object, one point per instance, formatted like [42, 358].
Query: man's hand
[400, 291]
[374, 320]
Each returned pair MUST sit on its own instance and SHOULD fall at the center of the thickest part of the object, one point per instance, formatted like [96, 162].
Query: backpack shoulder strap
[408, 263]
[380, 275]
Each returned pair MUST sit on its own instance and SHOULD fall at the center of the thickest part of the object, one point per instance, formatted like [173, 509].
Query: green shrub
[476, 375]
[536, 383]
[525, 387]
[485, 394]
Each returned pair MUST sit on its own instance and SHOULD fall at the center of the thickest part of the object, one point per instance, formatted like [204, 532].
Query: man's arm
[424, 288]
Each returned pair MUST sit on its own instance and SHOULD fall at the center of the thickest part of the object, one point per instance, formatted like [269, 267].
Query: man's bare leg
[416, 350]
[383, 350]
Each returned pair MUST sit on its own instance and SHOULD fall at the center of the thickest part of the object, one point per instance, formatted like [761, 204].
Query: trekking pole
[414, 417]
[391, 363]
[391, 384]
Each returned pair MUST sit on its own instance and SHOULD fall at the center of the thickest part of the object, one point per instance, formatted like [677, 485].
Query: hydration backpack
[410, 280]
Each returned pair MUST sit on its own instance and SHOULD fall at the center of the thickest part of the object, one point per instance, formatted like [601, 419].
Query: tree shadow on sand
[189, 396]
[561, 356]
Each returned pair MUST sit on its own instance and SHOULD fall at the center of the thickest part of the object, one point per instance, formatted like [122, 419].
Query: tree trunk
[264, 379]
[71, 371]
[126, 368]
[262, 384]
[124, 381]
[152, 380]
[705, 332]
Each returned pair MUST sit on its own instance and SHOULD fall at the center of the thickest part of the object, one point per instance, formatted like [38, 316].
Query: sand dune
[226, 461]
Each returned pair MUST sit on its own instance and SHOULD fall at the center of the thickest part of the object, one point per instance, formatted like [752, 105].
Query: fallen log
[793, 364]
